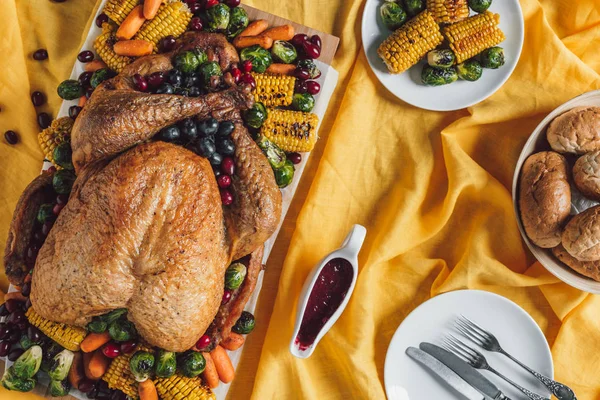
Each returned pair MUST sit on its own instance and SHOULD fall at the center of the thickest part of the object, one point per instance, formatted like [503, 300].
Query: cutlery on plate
[489, 342]
[465, 371]
[477, 360]
[445, 373]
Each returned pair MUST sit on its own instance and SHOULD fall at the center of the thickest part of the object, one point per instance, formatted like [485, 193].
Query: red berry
[196, 24]
[233, 3]
[111, 350]
[211, 3]
[313, 87]
[316, 40]
[128, 346]
[248, 80]
[40, 54]
[100, 19]
[85, 56]
[226, 197]
[38, 98]
[140, 83]
[62, 199]
[224, 181]
[301, 73]
[295, 158]
[228, 166]
[166, 44]
[44, 120]
[203, 342]
[190, 2]
[57, 208]
[11, 137]
[311, 50]
[226, 297]
[194, 8]
[51, 169]
[156, 79]
[84, 78]
[236, 73]
[299, 39]
[247, 66]
[300, 86]
[47, 226]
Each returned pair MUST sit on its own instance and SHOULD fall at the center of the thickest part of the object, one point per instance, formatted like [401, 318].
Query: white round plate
[516, 331]
[408, 87]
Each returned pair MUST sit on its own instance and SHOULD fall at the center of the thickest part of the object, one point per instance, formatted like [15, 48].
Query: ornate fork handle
[562, 392]
[528, 393]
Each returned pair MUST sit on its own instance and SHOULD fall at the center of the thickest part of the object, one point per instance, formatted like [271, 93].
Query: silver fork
[477, 360]
[489, 342]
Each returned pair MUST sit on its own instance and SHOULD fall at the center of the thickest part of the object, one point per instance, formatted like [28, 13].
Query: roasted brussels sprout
[59, 388]
[200, 55]
[70, 90]
[310, 66]
[392, 15]
[274, 154]
[256, 115]
[61, 365]
[12, 382]
[284, 51]
[218, 17]
[121, 330]
[97, 325]
[238, 21]
[51, 348]
[45, 213]
[413, 7]
[432, 76]
[492, 58]
[235, 275]
[28, 364]
[245, 324]
[261, 58]
[166, 364]
[26, 342]
[469, 70]
[441, 58]
[100, 76]
[62, 155]
[479, 6]
[141, 365]
[186, 62]
[63, 181]
[285, 174]
[208, 70]
[192, 363]
[303, 102]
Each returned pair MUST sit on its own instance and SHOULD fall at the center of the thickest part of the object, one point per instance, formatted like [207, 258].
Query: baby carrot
[151, 8]
[76, 374]
[97, 365]
[94, 65]
[281, 69]
[94, 341]
[132, 23]
[133, 48]
[146, 389]
[210, 374]
[223, 364]
[283, 32]
[255, 28]
[82, 101]
[233, 342]
[241, 42]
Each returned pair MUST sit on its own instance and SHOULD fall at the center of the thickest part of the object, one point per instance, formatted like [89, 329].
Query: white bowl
[349, 251]
[537, 142]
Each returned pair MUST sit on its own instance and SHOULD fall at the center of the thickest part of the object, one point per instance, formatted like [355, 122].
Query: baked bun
[577, 131]
[581, 237]
[586, 174]
[591, 269]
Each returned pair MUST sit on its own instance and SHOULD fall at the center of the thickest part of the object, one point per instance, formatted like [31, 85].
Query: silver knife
[445, 373]
[465, 371]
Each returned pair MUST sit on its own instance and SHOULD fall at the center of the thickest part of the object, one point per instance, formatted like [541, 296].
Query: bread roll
[586, 174]
[581, 237]
[591, 269]
[577, 131]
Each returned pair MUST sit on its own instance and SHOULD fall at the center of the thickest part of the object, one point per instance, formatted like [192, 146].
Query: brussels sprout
[186, 62]
[50, 350]
[261, 58]
[26, 343]
[413, 7]
[97, 325]
[470, 70]
[28, 364]
[61, 365]
[284, 51]
[479, 6]
[63, 181]
[303, 102]
[100, 76]
[141, 364]
[62, 155]
[200, 55]
[192, 363]
[310, 66]
[274, 154]
[59, 388]
[70, 90]
[256, 115]
[208, 70]
[218, 17]
[45, 213]
[234, 276]
[432, 76]
[245, 324]
[441, 58]
[12, 382]
[121, 330]
[166, 363]
[392, 15]
[238, 21]
[492, 58]
[285, 174]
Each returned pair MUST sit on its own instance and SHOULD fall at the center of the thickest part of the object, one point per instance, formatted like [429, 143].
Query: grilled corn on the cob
[119, 376]
[117, 10]
[409, 43]
[291, 130]
[179, 387]
[448, 11]
[473, 35]
[171, 19]
[67, 336]
[54, 135]
[274, 90]
[104, 47]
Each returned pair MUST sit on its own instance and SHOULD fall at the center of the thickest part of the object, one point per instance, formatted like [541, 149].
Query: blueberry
[169, 134]
[215, 159]
[194, 91]
[206, 147]
[208, 127]
[225, 146]
[165, 88]
[225, 128]
[174, 77]
[181, 91]
[188, 130]
[190, 81]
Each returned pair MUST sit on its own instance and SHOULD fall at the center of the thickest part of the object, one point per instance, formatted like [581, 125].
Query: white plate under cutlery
[516, 331]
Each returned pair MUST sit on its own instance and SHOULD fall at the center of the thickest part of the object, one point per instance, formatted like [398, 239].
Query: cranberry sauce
[325, 298]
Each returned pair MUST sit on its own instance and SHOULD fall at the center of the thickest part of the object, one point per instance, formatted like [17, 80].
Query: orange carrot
[241, 42]
[146, 389]
[223, 364]
[94, 341]
[151, 8]
[233, 342]
[281, 69]
[15, 296]
[255, 28]
[76, 374]
[210, 374]
[97, 365]
[82, 101]
[94, 65]
[132, 23]
[27, 278]
[283, 32]
[133, 48]
[86, 357]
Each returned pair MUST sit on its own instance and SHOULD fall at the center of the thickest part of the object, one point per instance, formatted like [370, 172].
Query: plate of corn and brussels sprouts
[442, 55]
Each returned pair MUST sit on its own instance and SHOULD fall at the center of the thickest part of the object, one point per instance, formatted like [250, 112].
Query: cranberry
[23, 325]
[40, 54]
[194, 8]
[226, 197]
[301, 73]
[248, 80]
[38, 98]
[89, 91]
[16, 316]
[226, 297]
[311, 50]
[140, 83]
[32, 251]
[11, 137]
[196, 24]
[111, 350]
[34, 333]
[313, 87]
[85, 56]
[166, 44]
[5, 331]
[62, 199]
[295, 158]
[247, 66]
[26, 289]
[86, 386]
[300, 86]
[299, 39]
[47, 226]
[12, 305]
[14, 354]
[44, 120]
[236, 73]
[128, 346]
[14, 337]
[211, 3]
[51, 169]
[84, 78]
[4, 348]
[57, 209]
[224, 181]
[233, 3]
[316, 40]
[203, 342]
[74, 111]
[228, 166]
[155, 79]
[100, 19]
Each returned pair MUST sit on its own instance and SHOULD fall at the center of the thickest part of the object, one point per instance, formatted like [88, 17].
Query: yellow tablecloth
[433, 190]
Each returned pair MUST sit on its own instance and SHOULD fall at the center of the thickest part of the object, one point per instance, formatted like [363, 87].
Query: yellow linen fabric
[433, 190]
